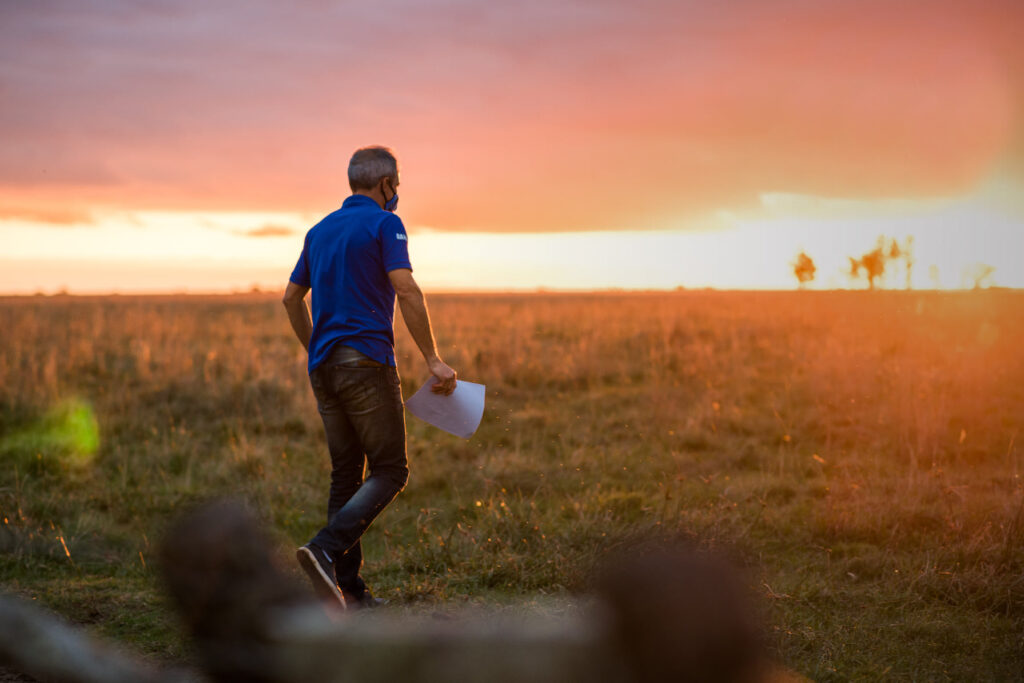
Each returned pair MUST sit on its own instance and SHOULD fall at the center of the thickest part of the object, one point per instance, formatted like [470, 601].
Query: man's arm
[298, 313]
[414, 312]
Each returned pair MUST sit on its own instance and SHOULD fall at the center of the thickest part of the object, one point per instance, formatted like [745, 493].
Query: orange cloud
[49, 215]
[268, 231]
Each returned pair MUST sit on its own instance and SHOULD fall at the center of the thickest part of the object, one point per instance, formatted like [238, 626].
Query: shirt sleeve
[394, 244]
[300, 274]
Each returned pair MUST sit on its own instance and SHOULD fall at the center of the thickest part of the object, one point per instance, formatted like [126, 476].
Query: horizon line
[260, 292]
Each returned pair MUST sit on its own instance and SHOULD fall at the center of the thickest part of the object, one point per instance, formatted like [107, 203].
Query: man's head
[373, 171]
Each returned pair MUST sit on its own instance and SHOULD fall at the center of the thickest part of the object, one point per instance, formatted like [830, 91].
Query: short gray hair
[368, 165]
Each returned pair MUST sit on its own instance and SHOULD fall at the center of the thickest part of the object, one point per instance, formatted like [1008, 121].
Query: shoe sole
[322, 583]
[353, 604]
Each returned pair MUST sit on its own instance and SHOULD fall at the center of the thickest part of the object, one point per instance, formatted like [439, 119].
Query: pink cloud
[507, 116]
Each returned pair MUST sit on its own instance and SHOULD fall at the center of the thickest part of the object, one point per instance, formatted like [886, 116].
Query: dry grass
[856, 451]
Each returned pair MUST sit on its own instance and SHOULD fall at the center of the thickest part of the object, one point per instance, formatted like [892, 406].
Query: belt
[349, 357]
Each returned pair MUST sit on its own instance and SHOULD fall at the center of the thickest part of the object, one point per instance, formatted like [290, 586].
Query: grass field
[856, 451]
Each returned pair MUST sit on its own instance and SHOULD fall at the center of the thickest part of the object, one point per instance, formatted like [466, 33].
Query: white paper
[457, 414]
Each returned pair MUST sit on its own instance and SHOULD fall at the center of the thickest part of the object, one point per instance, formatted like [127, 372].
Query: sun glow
[231, 251]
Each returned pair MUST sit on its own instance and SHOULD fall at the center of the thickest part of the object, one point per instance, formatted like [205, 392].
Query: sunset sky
[188, 146]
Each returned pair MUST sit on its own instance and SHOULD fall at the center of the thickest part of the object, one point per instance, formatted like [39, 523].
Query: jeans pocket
[362, 389]
[392, 386]
[316, 381]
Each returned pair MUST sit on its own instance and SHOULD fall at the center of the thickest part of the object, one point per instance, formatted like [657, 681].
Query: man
[356, 261]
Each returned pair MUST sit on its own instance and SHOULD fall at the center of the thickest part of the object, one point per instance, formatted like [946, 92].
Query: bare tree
[872, 263]
[979, 273]
[894, 248]
[875, 261]
[804, 269]
[908, 257]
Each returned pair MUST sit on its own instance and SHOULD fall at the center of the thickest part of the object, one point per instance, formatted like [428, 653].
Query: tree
[804, 269]
[908, 257]
[979, 273]
[872, 263]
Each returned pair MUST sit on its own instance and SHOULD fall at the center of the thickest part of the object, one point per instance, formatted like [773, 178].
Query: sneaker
[320, 568]
[364, 601]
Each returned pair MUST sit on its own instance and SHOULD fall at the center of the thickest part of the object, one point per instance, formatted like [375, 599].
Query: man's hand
[444, 374]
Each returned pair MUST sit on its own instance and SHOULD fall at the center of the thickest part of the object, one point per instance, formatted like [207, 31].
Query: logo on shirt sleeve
[401, 236]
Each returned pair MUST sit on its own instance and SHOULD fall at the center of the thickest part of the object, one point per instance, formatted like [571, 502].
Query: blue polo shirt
[345, 261]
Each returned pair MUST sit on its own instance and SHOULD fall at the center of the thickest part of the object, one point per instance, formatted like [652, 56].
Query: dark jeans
[360, 403]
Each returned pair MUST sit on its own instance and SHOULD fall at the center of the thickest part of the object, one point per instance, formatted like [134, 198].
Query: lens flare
[67, 434]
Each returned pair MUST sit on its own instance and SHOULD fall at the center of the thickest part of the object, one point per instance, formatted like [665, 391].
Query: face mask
[391, 204]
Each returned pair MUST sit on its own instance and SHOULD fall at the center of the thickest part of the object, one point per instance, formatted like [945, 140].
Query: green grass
[857, 454]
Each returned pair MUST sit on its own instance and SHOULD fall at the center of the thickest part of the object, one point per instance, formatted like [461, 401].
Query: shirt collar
[359, 200]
